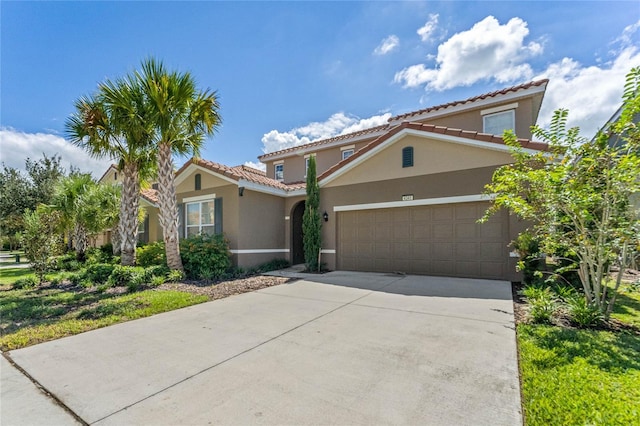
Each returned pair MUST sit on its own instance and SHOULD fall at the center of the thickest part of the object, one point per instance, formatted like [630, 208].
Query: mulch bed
[224, 289]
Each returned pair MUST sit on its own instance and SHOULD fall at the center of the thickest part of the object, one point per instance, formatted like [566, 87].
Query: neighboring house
[402, 197]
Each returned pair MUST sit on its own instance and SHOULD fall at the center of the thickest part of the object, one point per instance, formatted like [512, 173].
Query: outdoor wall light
[241, 191]
[325, 216]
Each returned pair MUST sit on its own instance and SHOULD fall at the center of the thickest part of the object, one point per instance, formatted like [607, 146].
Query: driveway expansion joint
[433, 314]
[44, 390]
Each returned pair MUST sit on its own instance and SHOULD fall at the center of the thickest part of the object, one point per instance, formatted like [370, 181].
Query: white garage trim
[422, 202]
[328, 251]
[255, 251]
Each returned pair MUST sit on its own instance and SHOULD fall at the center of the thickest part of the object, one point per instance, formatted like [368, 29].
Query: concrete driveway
[341, 348]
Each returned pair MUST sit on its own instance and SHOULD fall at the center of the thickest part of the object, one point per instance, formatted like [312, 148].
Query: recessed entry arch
[297, 247]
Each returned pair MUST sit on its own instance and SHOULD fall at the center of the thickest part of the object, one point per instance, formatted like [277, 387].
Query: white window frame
[347, 153]
[200, 225]
[306, 163]
[281, 172]
[511, 113]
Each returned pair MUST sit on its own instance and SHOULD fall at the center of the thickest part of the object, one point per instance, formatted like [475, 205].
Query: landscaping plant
[40, 239]
[311, 223]
[205, 256]
[577, 195]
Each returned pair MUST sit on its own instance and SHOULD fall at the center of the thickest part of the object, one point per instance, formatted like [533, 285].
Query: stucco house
[401, 197]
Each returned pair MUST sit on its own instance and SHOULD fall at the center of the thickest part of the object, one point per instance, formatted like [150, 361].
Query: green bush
[28, 282]
[157, 281]
[205, 257]
[124, 275]
[65, 262]
[99, 273]
[97, 255]
[531, 262]
[151, 254]
[175, 276]
[543, 303]
[582, 313]
[156, 271]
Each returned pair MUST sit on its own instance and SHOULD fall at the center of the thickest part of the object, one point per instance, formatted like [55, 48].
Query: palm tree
[67, 197]
[182, 116]
[115, 123]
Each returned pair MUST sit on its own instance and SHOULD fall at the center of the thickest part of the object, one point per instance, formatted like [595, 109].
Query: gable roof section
[461, 136]
[150, 196]
[104, 175]
[240, 174]
[361, 134]
[540, 84]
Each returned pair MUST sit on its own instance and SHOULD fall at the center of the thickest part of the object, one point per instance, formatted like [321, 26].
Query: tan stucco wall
[472, 119]
[262, 222]
[155, 230]
[294, 166]
[430, 157]
[230, 216]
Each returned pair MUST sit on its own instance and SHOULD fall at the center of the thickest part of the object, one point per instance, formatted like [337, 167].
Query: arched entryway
[297, 246]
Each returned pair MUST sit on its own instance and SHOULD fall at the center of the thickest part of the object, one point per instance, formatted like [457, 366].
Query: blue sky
[291, 72]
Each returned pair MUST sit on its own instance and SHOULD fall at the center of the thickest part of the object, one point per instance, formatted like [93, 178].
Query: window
[198, 182]
[306, 166]
[115, 175]
[407, 156]
[347, 153]
[143, 230]
[279, 171]
[200, 218]
[496, 124]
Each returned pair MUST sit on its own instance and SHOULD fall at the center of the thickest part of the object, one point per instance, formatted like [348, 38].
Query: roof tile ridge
[327, 140]
[522, 86]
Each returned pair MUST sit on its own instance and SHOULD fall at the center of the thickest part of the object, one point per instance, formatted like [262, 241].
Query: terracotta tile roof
[151, 195]
[430, 128]
[505, 91]
[327, 141]
[238, 173]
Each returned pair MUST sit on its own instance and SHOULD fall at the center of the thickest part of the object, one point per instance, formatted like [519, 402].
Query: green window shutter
[181, 220]
[407, 156]
[217, 208]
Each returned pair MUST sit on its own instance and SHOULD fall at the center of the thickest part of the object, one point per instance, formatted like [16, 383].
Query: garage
[440, 239]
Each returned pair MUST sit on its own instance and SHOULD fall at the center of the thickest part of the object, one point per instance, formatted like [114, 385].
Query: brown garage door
[432, 240]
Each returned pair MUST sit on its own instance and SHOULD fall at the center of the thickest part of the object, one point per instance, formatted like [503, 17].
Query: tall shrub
[40, 239]
[311, 224]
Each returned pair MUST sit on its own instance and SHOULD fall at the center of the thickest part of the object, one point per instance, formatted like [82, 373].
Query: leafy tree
[40, 239]
[181, 117]
[116, 123]
[20, 191]
[311, 224]
[577, 195]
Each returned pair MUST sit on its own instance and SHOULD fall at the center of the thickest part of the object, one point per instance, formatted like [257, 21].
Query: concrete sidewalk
[23, 403]
[340, 348]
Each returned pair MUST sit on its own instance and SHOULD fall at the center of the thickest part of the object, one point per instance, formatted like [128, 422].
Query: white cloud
[258, 165]
[387, 45]
[486, 51]
[591, 93]
[16, 147]
[429, 27]
[338, 124]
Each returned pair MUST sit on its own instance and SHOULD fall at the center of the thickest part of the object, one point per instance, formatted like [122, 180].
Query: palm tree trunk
[168, 207]
[116, 241]
[129, 214]
[80, 242]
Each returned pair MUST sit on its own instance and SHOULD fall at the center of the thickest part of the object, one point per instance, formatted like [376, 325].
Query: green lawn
[11, 275]
[582, 377]
[28, 317]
